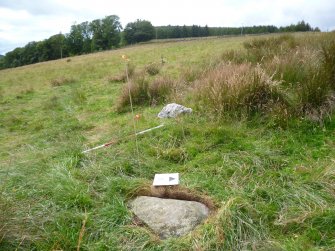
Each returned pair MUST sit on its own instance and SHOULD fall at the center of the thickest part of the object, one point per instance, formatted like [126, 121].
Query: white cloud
[25, 20]
[20, 27]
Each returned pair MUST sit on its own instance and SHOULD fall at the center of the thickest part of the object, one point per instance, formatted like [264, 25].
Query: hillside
[259, 144]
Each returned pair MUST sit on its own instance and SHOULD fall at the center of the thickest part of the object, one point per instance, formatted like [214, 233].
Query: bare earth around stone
[168, 217]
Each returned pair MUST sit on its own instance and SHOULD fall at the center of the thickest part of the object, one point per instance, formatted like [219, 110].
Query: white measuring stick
[94, 148]
[150, 129]
[110, 143]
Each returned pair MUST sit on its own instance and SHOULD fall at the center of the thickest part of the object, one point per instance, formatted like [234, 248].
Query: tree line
[164, 32]
[107, 33]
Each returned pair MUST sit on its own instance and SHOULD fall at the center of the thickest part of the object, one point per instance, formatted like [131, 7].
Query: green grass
[273, 185]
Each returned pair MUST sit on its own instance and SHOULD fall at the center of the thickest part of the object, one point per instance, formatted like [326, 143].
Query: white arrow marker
[166, 179]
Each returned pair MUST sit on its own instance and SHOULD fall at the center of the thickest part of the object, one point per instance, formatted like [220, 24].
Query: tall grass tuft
[190, 74]
[293, 68]
[144, 93]
[318, 90]
[237, 90]
[259, 50]
[314, 91]
[234, 56]
[160, 90]
[328, 63]
[138, 88]
[153, 69]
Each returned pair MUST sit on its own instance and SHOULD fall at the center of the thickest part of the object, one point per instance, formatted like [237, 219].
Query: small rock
[173, 110]
[168, 217]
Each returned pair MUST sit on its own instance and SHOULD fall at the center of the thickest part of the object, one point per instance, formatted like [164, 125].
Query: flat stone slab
[168, 217]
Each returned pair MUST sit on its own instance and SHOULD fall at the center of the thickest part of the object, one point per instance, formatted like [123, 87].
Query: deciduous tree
[139, 31]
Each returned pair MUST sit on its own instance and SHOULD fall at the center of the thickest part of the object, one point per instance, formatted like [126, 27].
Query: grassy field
[262, 152]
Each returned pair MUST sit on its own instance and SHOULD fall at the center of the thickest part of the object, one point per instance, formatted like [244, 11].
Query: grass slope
[274, 188]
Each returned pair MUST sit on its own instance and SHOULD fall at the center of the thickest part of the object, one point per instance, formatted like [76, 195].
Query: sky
[23, 21]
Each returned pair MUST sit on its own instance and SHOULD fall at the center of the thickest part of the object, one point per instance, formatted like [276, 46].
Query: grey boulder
[173, 110]
[169, 217]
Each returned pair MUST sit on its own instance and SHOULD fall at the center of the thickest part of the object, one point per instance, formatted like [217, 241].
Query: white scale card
[166, 179]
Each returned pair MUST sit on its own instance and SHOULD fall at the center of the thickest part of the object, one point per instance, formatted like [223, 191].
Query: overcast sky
[22, 21]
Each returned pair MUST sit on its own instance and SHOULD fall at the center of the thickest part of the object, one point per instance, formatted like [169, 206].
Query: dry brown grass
[82, 231]
[259, 50]
[160, 89]
[237, 89]
[135, 90]
[144, 92]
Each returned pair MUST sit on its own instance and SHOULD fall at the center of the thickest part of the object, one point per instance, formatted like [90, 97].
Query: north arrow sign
[166, 179]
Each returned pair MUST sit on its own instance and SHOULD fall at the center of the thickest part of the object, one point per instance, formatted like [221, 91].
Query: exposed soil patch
[176, 192]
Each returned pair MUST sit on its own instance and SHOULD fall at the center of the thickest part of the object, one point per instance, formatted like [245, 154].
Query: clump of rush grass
[317, 93]
[259, 50]
[293, 68]
[328, 62]
[190, 74]
[293, 71]
[307, 73]
[293, 80]
[235, 90]
[145, 93]
[137, 88]
[153, 68]
[314, 91]
[59, 81]
[160, 90]
[234, 56]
